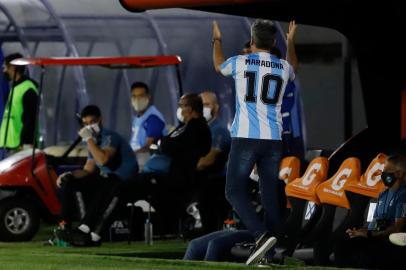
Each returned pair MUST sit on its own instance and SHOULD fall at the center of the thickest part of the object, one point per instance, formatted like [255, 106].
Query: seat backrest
[332, 190]
[289, 169]
[370, 184]
[305, 186]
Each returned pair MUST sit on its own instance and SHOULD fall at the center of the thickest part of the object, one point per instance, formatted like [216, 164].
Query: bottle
[148, 234]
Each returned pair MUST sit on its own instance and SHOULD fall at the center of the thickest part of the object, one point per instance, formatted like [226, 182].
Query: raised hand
[290, 35]
[216, 31]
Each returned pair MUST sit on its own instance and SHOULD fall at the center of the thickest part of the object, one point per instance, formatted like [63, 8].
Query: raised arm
[291, 56]
[218, 55]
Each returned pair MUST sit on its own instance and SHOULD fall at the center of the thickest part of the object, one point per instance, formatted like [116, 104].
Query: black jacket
[187, 144]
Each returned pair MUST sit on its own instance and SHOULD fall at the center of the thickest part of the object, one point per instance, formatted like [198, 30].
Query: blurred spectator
[174, 164]
[94, 191]
[18, 126]
[211, 168]
[187, 143]
[220, 136]
[148, 125]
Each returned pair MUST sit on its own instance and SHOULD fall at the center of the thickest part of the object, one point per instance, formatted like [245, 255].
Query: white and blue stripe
[257, 120]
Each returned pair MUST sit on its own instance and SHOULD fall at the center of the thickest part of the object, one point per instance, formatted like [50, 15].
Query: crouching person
[93, 192]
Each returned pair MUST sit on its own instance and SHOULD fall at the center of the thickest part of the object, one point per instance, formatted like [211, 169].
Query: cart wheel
[19, 220]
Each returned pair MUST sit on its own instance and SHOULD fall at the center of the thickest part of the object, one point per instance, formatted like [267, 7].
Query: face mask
[388, 179]
[139, 104]
[207, 113]
[179, 115]
[95, 128]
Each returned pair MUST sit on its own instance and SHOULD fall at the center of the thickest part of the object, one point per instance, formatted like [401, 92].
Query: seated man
[148, 125]
[187, 143]
[370, 247]
[177, 157]
[211, 168]
[220, 136]
[94, 190]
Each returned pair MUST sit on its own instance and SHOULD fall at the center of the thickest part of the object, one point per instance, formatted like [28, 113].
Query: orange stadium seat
[305, 187]
[370, 184]
[361, 194]
[332, 190]
[334, 205]
[304, 213]
[289, 169]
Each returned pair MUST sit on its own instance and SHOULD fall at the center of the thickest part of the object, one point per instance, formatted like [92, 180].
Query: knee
[233, 194]
[191, 251]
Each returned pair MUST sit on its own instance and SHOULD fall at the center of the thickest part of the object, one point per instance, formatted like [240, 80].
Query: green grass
[119, 255]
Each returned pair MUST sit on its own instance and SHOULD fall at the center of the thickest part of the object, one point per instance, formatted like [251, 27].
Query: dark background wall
[111, 31]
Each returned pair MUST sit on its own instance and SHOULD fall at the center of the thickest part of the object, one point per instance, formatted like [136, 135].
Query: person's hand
[290, 35]
[356, 232]
[63, 178]
[85, 133]
[216, 31]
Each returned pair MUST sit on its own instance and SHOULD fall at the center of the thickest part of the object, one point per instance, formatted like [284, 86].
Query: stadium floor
[111, 255]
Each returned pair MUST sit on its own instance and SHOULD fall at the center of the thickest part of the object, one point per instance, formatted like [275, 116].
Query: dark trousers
[93, 198]
[215, 246]
[267, 154]
[372, 253]
[213, 206]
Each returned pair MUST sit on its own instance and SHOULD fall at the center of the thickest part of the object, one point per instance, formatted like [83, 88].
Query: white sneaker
[398, 239]
[264, 244]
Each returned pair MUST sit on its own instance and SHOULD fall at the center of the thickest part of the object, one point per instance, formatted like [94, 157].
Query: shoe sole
[395, 241]
[260, 253]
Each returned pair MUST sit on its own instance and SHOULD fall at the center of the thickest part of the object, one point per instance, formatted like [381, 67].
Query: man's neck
[17, 79]
[141, 113]
[395, 186]
[257, 50]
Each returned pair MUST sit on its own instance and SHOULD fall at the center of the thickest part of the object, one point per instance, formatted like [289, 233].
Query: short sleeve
[228, 67]
[110, 141]
[219, 139]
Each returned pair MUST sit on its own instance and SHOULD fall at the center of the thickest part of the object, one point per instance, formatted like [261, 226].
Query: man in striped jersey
[260, 82]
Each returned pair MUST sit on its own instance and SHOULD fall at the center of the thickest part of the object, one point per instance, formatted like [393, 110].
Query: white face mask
[207, 113]
[95, 128]
[179, 114]
[140, 104]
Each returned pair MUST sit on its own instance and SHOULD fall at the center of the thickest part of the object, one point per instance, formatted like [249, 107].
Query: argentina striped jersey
[260, 82]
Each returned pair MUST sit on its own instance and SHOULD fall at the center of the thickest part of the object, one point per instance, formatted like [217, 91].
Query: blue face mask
[388, 179]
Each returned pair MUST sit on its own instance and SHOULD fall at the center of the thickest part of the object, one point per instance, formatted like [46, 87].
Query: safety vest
[138, 134]
[10, 134]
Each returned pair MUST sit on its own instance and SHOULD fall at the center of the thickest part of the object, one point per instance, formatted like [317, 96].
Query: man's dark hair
[140, 85]
[195, 102]
[247, 44]
[275, 51]
[263, 34]
[13, 56]
[90, 110]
